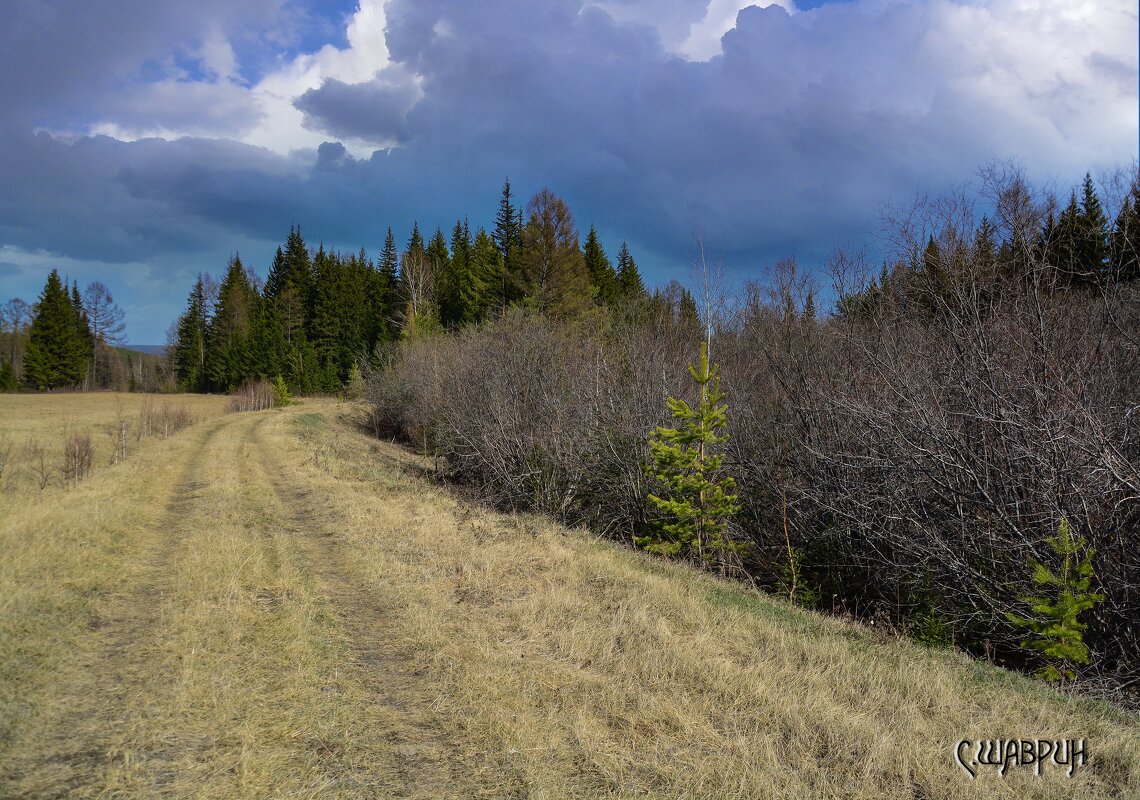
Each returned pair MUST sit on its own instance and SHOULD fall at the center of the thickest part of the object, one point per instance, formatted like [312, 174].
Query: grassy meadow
[272, 604]
[32, 421]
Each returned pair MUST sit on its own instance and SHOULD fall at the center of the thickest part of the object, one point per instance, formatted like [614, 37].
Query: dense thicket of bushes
[921, 443]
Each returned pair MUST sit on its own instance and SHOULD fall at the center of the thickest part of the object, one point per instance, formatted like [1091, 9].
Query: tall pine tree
[389, 269]
[190, 348]
[228, 356]
[56, 354]
[601, 271]
[629, 285]
[508, 229]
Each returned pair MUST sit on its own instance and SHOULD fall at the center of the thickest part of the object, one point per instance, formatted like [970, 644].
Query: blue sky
[143, 141]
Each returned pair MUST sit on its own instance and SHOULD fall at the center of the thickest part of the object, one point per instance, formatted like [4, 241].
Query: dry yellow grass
[272, 605]
[47, 419]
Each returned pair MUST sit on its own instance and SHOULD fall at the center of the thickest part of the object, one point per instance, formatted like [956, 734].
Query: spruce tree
[228, 360]
[1054, 620]
[80, 357]
[55, 355]
[508, 229]
[389, 269]
[447, 282]
[339, 312]
[629, 283]
[601, 272]
[416, 240]
[190, 347]
[1091, 234]
[486, 275]
[275, 280]
[695, 501]
[466, 288]
[984, 251]
[1060, 239]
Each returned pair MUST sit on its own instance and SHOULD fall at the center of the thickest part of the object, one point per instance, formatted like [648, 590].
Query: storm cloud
[165, 146]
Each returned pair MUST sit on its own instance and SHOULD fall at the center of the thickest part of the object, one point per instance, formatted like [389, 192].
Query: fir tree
[629, 283]
[696, 500]
[508, 229]
[446, 284]
[56, 353]
[83, 341]
[1091, 234]
[190, 347]
[416, 240]
[389, 269]
[227, 341]
[601, 271]
[486, 275]
[1055, 626]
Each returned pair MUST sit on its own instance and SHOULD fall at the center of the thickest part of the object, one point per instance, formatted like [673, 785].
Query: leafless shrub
[78, 456]
[117, 432]
[147, 421]
[902, 459]
[161, 420]
[253, 395]
[38, 465]
[174, 418]
[537, 415]
[929, 438]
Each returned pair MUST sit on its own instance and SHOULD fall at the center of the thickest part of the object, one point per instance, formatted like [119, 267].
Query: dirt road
[275, 605]
[235, 647]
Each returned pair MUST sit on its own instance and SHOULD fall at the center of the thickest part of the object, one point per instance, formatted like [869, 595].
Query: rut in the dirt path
[427, 761]
[81, 737]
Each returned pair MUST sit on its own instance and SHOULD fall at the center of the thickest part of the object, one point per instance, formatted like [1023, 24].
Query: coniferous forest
[943, 442]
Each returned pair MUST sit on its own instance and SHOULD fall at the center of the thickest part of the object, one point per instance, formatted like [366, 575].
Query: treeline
[71, 340]
[319, 313]
[907, 458]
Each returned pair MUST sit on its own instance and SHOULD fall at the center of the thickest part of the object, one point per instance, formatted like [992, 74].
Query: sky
[145, 141]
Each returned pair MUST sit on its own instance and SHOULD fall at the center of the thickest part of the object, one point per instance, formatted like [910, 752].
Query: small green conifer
[696, 500]
[1056, 632]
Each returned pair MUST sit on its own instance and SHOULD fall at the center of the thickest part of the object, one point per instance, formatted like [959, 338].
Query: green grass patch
[310, 421]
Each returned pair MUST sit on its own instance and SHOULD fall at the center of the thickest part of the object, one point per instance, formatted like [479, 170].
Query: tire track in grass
[426, 760]
[76, 739]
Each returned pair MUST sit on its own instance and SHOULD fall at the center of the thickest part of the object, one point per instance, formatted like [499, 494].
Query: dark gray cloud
[58, 58]
[788, 142]
[373, 111]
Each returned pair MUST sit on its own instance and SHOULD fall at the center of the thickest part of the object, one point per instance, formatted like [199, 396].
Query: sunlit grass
[273, 605]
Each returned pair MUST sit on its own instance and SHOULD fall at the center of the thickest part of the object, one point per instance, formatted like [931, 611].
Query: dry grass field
[273, 605]
[44, 421]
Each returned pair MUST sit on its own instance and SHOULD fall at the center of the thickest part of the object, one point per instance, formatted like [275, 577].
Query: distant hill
[149, 349]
